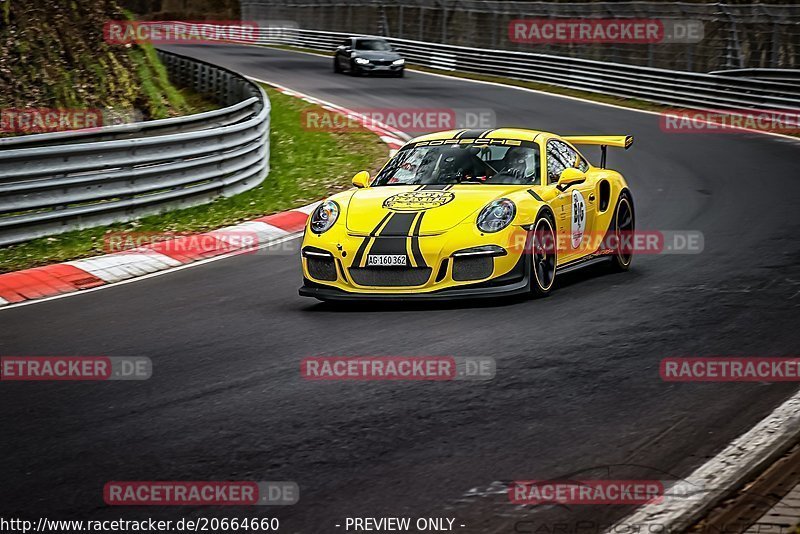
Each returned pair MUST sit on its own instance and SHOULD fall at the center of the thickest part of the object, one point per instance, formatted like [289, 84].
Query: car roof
[519, 134]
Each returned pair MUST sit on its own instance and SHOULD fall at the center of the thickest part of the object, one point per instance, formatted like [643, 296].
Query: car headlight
[399, 62]
[496, 216]
[362, 60]
[324, 217]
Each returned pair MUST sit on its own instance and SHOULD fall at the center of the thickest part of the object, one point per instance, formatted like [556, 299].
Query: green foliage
[53, 55]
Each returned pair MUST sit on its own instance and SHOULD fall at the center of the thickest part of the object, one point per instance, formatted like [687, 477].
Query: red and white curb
[88, 273]
[73, 276]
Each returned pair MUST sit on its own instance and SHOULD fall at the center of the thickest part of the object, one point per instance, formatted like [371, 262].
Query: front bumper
[326, 293]
[371, 68]
[448, 273]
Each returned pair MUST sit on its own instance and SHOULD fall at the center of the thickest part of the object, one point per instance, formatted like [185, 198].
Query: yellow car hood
[444, 207]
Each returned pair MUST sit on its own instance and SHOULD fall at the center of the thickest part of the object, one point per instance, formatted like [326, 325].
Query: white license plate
[386, 260]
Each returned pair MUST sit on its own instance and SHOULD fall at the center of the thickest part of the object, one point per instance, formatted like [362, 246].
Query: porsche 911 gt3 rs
[470, 213]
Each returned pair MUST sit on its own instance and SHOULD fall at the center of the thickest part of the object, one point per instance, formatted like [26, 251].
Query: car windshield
[467, 163]
[373, 44]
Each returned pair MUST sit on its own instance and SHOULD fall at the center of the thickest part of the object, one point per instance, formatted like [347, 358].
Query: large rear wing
[605, 141]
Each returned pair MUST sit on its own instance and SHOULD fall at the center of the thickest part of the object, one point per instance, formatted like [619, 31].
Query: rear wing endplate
[605, 141]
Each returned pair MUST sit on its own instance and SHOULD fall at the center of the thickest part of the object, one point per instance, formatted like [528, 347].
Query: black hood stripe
[392, 237]
[363, 247]
[360, 252]
[400, 224]
[419, 259]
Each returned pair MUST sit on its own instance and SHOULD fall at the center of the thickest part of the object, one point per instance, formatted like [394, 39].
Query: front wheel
[624, 224]
[336, 67]
[543, 257]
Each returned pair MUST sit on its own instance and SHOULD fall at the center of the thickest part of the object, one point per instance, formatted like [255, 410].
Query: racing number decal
[578, 218]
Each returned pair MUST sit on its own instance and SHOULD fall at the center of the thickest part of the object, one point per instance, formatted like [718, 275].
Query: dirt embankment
[53, 55]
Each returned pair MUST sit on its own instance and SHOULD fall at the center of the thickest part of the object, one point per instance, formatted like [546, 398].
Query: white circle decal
[578, 218]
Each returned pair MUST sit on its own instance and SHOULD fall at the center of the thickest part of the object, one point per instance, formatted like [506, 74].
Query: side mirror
[361, 180]
[570, 176]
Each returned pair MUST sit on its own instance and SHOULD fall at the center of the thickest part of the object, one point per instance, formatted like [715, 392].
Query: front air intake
[390, 276]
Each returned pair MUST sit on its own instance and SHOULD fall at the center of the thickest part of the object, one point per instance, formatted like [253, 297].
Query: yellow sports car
[470, 213]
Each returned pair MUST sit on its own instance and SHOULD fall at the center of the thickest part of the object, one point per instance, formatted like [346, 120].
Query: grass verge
[305, 166]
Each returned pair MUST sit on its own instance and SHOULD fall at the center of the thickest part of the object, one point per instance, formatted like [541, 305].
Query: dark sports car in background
[367, 55]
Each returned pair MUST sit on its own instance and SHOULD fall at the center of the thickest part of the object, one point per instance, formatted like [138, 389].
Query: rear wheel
[543, 257]
[624, 224]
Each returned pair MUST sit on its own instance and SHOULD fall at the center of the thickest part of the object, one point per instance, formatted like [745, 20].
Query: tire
[336, 67]
[544, 256]
[400, 74]
[354, 70]
[623, 225]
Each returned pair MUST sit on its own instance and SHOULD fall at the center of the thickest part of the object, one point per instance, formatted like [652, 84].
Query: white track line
[546, 93]
[153, 275]
[744, 458]
[339, 109]
[120, 268]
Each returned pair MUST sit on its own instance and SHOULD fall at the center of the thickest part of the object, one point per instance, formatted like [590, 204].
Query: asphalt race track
[577, 390]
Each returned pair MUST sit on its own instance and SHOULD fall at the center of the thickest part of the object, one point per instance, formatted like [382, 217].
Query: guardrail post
[443, 37]
[776, 45]
[400, 22]
[421, 22]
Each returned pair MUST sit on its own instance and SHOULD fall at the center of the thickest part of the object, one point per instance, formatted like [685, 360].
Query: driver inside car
[456, 165]
[519, 164]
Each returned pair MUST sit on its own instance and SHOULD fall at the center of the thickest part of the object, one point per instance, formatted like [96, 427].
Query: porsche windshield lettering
[463, 163]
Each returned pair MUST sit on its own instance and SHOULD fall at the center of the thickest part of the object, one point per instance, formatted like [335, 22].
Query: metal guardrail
[740, 34]
[667, 87]
[56, 182]
[780, 75]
